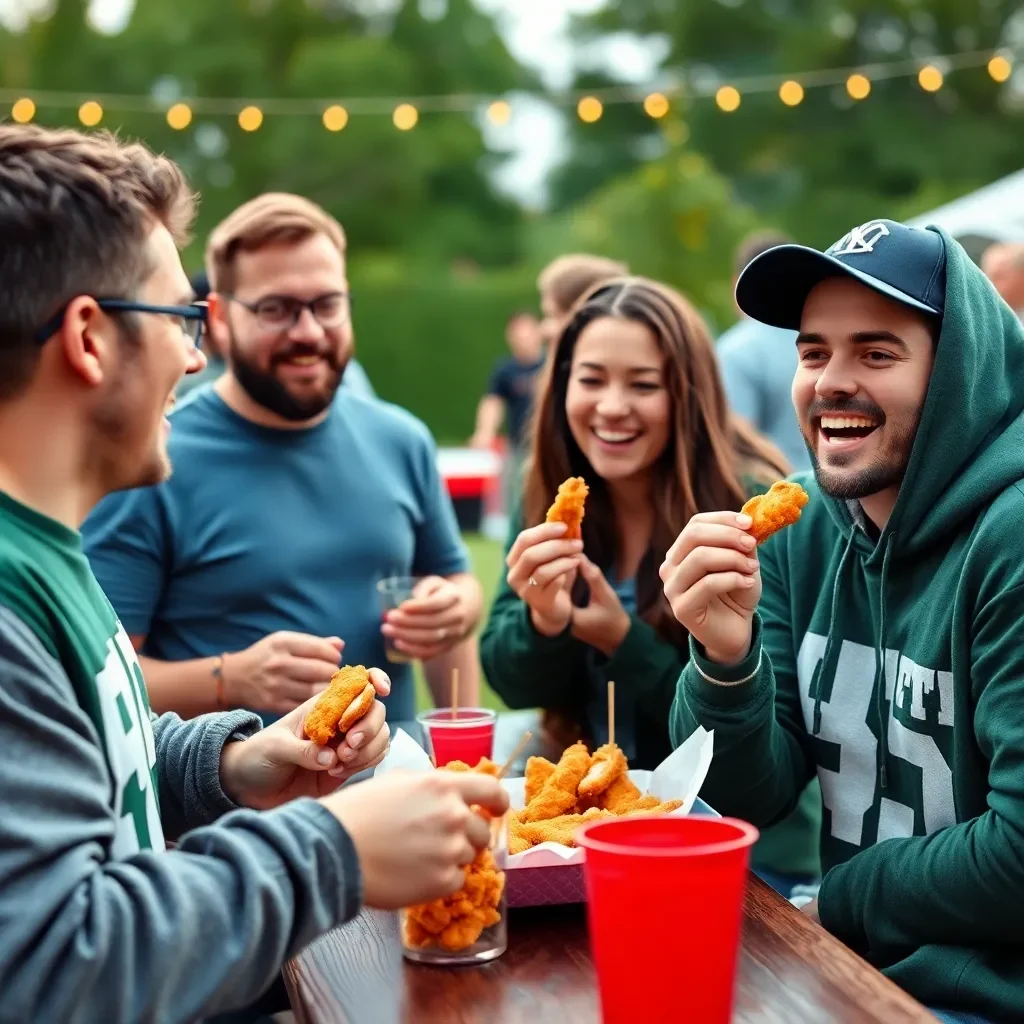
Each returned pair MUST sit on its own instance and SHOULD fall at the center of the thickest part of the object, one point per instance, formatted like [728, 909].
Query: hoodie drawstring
[883, 732]
[830, 639]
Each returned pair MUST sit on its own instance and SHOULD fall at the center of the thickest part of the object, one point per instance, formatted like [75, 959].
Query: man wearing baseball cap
[879, 642]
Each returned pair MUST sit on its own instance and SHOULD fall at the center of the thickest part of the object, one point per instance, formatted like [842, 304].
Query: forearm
[524, 667]
[186, 687]
[760, 766]
[205, 927]
[489, 414]
[188, 760]
[438, 673]
[960, 885]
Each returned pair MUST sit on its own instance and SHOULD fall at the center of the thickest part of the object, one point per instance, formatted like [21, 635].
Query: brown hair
[709, 463]
[569, 278]
[274, 217]
[75, 212]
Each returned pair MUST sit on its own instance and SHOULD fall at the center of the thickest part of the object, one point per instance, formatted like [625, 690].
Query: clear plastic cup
[469, 927]
[664, 902]
[467, 734]
[395, 591]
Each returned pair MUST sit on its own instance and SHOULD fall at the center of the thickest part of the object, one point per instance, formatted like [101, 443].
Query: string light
[23, 110]
[250, 118]
[335, 118]
[499, 112]
[179, 117]
[930, 78]
[656, 105]
[728, 98]
[791, 93]
[90, 113]
[999, 68]
[590, 109]
[859, 87]
[405, 117]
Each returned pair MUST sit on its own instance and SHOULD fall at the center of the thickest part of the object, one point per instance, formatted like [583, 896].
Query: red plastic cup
[467, 735]
[664, 901]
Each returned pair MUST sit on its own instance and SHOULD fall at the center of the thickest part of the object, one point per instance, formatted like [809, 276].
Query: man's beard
[272, 394]
[118, 461]
[886, 470]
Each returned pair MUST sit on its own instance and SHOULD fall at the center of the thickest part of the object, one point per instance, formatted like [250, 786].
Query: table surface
[790, 969]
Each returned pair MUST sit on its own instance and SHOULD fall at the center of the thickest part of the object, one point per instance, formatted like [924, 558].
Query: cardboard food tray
[551, 873]
[535, 880]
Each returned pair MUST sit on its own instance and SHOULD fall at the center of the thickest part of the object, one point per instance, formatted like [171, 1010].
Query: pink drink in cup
[466, 736]
[664, 902]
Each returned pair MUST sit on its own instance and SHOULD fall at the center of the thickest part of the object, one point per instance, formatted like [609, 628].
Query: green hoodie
[896, 673]
[527, 670]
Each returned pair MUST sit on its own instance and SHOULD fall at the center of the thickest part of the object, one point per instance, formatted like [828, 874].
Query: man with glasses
[99, 921]
[246, 578]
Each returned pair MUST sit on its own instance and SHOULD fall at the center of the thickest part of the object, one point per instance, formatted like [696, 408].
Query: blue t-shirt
[515, 383]
[758, 363]
[260, 530]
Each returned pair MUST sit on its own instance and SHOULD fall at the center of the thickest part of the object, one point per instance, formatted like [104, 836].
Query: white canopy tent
[995, 212]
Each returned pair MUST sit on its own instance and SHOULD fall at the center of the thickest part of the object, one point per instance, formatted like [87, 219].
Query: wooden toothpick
[455, 694]
[611, 711]
[527, 736]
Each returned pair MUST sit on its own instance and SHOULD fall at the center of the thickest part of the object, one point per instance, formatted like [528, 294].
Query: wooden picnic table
[790, 971]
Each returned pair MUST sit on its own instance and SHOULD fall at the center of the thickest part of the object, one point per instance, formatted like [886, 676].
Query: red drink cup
[664, 899]
[465, 735]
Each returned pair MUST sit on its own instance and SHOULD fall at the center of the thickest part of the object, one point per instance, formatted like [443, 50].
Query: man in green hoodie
[879, 642]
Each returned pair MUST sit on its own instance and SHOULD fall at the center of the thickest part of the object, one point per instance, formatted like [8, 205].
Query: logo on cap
[860, 240]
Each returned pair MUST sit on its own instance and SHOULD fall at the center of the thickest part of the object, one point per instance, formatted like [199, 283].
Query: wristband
[218, 677]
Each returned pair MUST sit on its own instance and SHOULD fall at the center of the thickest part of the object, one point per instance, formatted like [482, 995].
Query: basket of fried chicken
[553, 799]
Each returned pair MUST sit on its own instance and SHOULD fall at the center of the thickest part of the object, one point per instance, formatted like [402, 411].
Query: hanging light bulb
[405, 117]
[90, 113]
[250, 118]
[858, 86]
[335, 118]
[23, 110]
[728, 98]
[791, 93]
[179, 117]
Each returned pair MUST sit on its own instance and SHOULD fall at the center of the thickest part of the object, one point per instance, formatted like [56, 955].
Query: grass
[488, 565]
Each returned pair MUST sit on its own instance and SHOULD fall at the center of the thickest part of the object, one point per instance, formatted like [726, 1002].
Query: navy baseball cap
[906, 264]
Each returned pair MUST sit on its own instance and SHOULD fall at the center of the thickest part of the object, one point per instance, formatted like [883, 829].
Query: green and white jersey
[46, 581]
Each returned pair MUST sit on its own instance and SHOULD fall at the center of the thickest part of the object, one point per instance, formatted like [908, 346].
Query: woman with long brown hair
[630, 400]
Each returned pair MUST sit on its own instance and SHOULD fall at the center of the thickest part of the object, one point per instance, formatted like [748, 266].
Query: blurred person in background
[510, 392]
[102, 923]
[631, 401]
[238, 578]
[758, 363]
[355, 378]
[1003, 265]
[564, 281]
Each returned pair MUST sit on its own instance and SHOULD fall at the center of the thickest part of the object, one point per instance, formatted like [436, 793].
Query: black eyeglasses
[192, 317]
[277, 313]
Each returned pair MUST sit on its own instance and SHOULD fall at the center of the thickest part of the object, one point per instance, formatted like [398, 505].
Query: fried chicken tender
[608, 765]
[619, 796]
[558, 795]
[347, 698]
[484, 765]
[602, 789]
[538, 771]
[568, 506]
[559, 830]
[779, 508]
[456, 922]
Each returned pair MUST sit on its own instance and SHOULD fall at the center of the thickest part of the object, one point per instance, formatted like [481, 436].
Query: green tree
[423, 193]
[829, 162]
